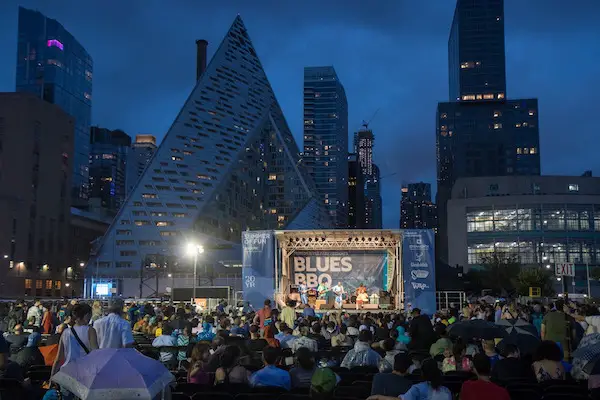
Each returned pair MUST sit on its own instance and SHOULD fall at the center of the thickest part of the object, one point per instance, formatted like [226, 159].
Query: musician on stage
[361, 295]
[322, 289]
[338, 290]
[303, 290]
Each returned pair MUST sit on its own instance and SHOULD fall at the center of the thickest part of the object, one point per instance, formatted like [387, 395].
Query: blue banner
[418, 269]
[258, 267]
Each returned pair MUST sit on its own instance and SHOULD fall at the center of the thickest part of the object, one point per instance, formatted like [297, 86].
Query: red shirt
[262, 315]
[480, 389]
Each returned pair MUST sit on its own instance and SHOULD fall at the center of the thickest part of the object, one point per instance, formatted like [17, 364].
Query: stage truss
[374, 239]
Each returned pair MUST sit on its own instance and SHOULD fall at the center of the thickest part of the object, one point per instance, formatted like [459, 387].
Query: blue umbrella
[114, 374]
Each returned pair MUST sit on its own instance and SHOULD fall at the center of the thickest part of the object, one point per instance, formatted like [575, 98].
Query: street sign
[535, 292]
[564, 269]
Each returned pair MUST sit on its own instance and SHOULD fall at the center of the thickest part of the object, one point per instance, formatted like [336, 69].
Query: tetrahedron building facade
[228, 163]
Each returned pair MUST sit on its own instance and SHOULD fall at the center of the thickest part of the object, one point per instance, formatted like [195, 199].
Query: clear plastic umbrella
[114, 374]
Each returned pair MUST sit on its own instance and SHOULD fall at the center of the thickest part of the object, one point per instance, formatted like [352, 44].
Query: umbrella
[584, 357]
[488, 299]
[520, 333]
[114, 374]
[476, 328]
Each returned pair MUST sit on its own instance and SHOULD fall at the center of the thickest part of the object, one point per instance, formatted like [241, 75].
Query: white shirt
[73, 349]
[113, 332]
[593, 324]
[34, 311]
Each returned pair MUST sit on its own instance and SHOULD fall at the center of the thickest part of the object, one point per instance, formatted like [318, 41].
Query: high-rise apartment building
[416, 209]
[373, 201]
[108, 161]
[141, 152]
[356, 193]
[229, 163]
[54, 66]
[476, 59]
[480, 132]
[36, 148]
[326, 139]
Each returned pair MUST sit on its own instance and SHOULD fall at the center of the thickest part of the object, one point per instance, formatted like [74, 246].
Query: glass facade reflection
[53, 65]
[536, 233]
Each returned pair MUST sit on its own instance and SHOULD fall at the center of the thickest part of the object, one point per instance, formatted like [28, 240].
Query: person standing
[303, 289]
[47, 320]
[288, 314]
[322, 289]
[420, 331]
[263, 314]
[338, 290]
[556, 327]
[35, 311]
[77, 340]
[113, 331]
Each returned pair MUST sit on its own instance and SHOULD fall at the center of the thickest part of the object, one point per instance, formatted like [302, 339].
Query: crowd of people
[285, 348]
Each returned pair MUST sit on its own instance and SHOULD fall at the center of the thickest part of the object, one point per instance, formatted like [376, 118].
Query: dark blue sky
[389, 54]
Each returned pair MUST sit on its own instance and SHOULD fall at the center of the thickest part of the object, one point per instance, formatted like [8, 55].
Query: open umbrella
[519, 333]
[586, 354]
[476, 328]
[114, 374]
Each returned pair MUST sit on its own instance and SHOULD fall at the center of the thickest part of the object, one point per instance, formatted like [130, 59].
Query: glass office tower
[53, 65]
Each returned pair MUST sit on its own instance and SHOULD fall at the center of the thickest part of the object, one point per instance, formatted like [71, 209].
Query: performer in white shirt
[338, 290]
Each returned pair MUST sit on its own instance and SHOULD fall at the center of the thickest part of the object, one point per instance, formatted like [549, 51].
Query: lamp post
[193, 249]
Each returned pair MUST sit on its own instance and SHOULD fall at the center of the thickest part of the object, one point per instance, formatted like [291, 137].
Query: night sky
[388, 54]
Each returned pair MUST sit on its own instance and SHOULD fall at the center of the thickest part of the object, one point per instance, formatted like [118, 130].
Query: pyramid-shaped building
[228, 163]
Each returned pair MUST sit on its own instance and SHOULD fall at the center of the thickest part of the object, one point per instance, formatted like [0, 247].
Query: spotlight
[376, 239]
[310, 239]
[363, 239]
[370, 239]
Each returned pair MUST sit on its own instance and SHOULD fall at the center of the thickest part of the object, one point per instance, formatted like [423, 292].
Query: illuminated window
[142, 222]
[532, 150]
[519, 150]
[573, 187]
[497, 126]
[468, 97]
[108, 156]
[148, 196]
[57, 284]
[273, 211]
[488, 96]
[500, 95]
[38, 284]
[531, 113]
[326, 201]
[517, 125]
[175, 158]
[497, 114]
[467, 64]
[87, 95]
[444, 116]
[272, 177]
[28, 283]
[164, 223]
[525, 124]
[48, 284]
[479, 97]
[281, 218]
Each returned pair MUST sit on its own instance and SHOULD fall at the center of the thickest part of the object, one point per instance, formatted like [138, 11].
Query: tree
[500, 273]
[534, 277]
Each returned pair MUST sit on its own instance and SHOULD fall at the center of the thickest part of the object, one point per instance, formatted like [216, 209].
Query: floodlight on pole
[192, 250]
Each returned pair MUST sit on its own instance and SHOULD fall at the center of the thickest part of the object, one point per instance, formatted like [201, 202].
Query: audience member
[342, 338]
[547, 362]
[113, 331]
[362, 354]
[457, 361]
[196, 373]
[229, 370]
[301, 374]
[167, 345]
[322, 384]
[421, 332]
[256, 343]
[17, 340]
[387, 362]
[395, 383]
[482, 388]
[270, 375]
[305, 341]
[511, 366]
[30, 354]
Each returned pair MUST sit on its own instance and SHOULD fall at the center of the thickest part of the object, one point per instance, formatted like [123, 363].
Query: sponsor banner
[351, 268]
[258, 267]
[418, 269]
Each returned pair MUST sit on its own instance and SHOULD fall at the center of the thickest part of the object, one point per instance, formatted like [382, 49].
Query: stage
[392, 267]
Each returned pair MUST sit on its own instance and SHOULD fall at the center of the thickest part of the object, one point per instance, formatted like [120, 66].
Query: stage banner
[418, 269]
[351, 268]
[258, 267]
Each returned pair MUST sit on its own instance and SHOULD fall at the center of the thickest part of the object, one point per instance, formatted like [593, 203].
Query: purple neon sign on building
[55, 43]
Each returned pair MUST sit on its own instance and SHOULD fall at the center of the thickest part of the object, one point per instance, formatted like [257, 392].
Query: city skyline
[540, 51]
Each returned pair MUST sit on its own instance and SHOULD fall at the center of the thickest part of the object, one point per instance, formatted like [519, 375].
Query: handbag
[76, 336]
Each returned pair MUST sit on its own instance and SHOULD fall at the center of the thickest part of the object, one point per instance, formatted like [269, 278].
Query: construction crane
[365, 124]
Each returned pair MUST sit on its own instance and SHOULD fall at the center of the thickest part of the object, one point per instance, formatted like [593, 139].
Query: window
[272, 177]
[128, 253]
[531, 113]
[57, 285]
[468, 97]
[49, 284]
[141, 222]
[573, 187]
[497, 126]
[180, 215]
[488, 96]
[139, 213]
[519, 150]
[467, 64]
[123, 232]
[125, 222]
[149, 196]
[28, 283]
[500, 95]
[497, 114]
[38, 284]
[444, 115]
[532, 150]
[169, 233]
[164, 223]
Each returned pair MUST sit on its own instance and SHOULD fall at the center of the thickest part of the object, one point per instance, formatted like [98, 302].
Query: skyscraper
[326, 139]
[373, 202]
[54, 66]
[229, 163]
[476, 59]
[479, 132]
[140, 154]
[364, 149]
[36, 145]
[356, 193]
[108, 160]
[416, 209]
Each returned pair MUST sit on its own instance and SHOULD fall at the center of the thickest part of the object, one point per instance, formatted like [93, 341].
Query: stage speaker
[320, 304]
[370, 306]
[349, 306]
[385, 306]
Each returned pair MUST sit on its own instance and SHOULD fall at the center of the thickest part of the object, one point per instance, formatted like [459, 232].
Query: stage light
[370, 239]
[349, 239]
[322, 239]
[363, 239]
[310, 239]
[376, 239]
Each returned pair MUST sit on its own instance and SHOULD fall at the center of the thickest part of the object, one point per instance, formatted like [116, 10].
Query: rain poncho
[207, 333]
[361, 356]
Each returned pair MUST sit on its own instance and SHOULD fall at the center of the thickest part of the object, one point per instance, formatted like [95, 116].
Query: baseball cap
[323, 381]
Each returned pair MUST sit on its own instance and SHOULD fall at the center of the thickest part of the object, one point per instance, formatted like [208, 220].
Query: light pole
[193, 249]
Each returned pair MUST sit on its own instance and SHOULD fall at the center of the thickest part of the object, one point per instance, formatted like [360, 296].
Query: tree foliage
[500, 273]
[535, 277]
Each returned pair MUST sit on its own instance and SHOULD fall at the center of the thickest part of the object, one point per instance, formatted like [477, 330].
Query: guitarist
[303, 289]
[322, 289]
